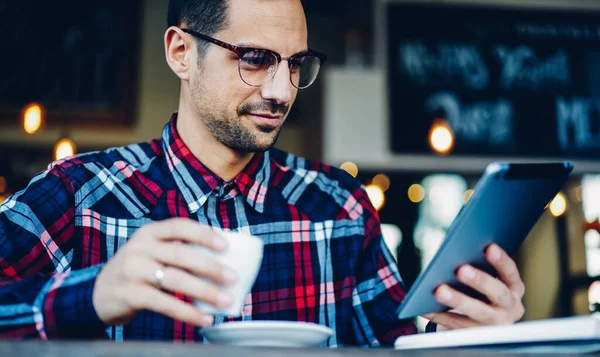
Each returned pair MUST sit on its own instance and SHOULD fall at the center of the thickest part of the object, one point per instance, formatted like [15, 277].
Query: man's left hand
[505, 295]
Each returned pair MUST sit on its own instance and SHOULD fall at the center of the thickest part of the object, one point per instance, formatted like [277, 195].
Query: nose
[279, 88]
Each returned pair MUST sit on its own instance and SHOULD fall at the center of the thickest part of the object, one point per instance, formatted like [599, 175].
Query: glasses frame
[240, 51]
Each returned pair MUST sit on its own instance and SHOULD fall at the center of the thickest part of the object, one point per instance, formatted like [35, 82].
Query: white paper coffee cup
[244, 256]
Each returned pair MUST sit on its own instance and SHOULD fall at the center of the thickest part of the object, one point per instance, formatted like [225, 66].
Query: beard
[234, 132]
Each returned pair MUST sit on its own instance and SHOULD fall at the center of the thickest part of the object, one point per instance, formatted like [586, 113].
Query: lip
[265, 119]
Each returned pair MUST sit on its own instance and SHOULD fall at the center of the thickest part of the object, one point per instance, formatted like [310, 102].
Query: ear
[179, 52]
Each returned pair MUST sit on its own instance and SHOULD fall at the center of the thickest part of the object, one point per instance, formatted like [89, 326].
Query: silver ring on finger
[159, 275]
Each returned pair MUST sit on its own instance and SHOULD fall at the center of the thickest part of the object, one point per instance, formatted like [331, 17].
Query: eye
[295, 64]
[257, 60]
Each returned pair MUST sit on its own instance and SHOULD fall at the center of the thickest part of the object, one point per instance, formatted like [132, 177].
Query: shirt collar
[196, 182]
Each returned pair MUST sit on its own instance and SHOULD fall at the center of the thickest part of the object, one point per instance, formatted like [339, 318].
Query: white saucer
[268, 333]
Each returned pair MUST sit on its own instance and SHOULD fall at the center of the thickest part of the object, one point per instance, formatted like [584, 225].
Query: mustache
[265, 106]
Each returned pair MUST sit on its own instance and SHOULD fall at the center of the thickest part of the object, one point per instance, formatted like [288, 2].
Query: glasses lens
[257, 67]
[304, 70]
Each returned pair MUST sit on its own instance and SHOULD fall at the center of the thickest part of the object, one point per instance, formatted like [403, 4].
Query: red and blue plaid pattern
[324, 257]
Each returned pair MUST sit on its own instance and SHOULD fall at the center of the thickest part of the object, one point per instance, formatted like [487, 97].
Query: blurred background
[417, 97]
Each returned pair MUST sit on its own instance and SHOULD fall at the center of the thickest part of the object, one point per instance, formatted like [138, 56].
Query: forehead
[279, 25]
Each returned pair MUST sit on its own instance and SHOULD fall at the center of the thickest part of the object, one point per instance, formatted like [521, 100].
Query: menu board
[77, 58]
[510, 81]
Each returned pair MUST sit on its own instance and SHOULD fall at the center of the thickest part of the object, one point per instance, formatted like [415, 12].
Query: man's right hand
[128, 284]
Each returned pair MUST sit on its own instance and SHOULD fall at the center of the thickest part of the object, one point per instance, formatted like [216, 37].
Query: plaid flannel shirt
[324, 257]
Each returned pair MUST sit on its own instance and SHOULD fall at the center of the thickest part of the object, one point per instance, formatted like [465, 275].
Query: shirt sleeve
[379, 289]
[40, 295]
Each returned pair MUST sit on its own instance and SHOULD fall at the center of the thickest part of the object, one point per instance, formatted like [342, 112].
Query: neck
[220, 159]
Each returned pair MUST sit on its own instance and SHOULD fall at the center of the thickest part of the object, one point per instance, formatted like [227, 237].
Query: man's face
[240, 116]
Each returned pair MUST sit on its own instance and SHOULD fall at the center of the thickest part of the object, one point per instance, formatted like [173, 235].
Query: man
[92, 248]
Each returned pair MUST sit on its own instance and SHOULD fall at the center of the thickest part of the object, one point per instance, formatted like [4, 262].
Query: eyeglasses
[257, 66]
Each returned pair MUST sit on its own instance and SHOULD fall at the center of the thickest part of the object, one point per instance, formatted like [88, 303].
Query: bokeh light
[64, 148]
[468, 194]
[33, 116]
[558, 206]
[381, 180]
[594, 296]
[350, 168]
[441, 137]
[416, 193]
[376, 196]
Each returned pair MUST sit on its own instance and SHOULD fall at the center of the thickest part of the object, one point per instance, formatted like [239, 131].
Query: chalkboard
[77, 58]
[511, 82]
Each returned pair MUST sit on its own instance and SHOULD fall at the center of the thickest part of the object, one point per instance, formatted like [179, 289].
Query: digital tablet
[506, 203]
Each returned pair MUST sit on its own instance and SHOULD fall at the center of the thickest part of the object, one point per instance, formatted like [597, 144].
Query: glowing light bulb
[32, 118]
[558, 206]
[376, 196]
[64, 148]
[441, 137]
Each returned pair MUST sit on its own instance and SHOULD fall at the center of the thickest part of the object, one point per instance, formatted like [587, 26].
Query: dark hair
[205, 16]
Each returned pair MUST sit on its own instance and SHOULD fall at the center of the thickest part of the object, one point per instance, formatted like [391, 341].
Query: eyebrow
[254, 45]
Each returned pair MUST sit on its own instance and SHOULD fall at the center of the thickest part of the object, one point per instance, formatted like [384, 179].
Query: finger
[179, 281]
[188, 258]
[149, 298]
[144, 271]
[506, 268]
[430, 315]
[495, 290]
[472, 308]
[187, 230]
[451, 320]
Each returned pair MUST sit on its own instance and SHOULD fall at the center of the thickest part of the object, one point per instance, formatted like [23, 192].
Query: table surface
[158, 349]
